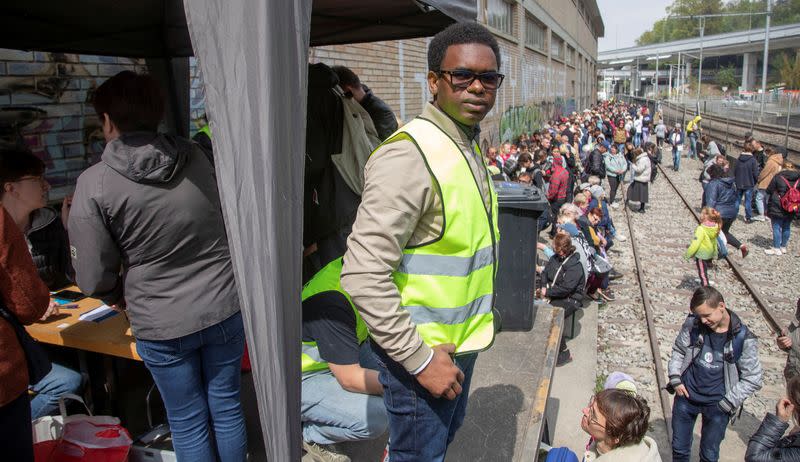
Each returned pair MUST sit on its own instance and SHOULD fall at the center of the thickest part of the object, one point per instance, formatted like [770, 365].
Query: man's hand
[784, 410]
[441, 377]
[680, 390]
[784, 341]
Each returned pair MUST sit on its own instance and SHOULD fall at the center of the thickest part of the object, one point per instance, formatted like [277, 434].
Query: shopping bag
[80, 438]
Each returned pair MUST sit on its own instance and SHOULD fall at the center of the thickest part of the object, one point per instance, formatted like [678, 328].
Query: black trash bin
[520, 207]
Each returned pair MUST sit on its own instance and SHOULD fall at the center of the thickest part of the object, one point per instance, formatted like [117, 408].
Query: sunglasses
[592, 417]
[462, 78]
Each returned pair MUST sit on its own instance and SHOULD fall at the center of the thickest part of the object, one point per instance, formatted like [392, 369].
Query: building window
[556, 47]
[499, 14]
[570, 56]
[535, 34]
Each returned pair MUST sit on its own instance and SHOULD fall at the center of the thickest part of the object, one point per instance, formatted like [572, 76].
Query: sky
[626, 20]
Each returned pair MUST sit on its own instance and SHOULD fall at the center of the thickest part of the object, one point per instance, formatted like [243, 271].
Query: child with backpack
[705, 247]
[784, 204]
[714, 367]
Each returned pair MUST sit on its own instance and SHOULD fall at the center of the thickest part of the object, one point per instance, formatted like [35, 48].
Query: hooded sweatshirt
[146, 228]
[721, 194]
[746, 171]
[704, 244]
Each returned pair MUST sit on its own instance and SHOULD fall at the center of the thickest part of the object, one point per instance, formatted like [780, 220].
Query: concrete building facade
[548, 53]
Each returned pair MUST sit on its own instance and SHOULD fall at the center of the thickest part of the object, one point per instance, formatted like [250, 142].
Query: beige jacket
[399, 207]
[771, 168]
[645, 451]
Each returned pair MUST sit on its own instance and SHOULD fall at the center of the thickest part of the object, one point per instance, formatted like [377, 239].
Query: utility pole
[700, 68]
[765, 60]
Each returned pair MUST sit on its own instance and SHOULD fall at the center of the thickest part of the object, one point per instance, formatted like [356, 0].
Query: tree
[789, 70]
[726, 77]
[669, 29]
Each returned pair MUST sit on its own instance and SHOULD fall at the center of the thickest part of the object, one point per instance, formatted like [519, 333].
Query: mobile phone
[69, 295]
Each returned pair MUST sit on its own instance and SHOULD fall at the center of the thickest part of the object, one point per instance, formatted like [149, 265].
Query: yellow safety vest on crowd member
[205, 129]
[447, 285]
[326, 280]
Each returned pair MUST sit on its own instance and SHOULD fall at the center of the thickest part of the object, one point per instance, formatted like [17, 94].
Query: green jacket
[704, 244]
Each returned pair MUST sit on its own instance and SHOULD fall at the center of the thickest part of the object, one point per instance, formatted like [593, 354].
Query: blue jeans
[761, 201]
[676, 158]
[637, 139]
[712, 431]
[199, 377]
[746, 195]
[420, 426]
[331, 414]
[60, 381]
[781, 229]
[693, 145]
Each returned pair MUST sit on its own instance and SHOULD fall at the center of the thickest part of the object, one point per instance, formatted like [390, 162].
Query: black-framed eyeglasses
[592, 417]
[462, 78]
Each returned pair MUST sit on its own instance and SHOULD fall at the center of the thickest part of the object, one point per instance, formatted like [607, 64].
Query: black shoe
[614, 274]
[564, 357]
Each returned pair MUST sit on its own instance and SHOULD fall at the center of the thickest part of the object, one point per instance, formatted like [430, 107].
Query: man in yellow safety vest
[422, 257]
[340, 395]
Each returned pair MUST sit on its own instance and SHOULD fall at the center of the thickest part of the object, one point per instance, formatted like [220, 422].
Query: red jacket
[559, 182]
[23, 294]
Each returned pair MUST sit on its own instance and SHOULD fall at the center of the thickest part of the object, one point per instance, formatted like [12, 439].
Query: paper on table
[98, 314]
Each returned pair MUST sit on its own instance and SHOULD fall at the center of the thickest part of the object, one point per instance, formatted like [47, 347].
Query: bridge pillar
[749, 68]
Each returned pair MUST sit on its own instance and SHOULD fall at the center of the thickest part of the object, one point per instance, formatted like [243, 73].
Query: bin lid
[519, 196]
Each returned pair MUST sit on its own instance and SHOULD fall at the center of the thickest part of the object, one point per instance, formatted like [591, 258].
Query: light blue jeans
[199, 378]
[761, 198]
[331, 414]
[60, 381]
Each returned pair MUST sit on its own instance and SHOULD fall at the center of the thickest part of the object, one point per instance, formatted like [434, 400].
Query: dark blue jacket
[746, 171]
[721, 194]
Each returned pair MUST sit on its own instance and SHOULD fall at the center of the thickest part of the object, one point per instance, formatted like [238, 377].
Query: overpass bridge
[747, 43]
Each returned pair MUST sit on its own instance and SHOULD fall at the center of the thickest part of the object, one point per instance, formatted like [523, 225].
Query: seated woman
[617, 421]
[562, 282]
[598, 281]
[23, 192]
[25, 296]
[768, 443]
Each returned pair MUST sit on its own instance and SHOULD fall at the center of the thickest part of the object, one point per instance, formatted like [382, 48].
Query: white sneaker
[772, 251]
[783, 250]
[614, 205]
[621, 237]
[759, 218]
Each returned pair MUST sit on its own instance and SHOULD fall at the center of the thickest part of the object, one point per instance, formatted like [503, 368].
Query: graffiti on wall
[46, 99]
[520, 119]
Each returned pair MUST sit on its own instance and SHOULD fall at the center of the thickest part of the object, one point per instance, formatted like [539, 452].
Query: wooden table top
[111, 336]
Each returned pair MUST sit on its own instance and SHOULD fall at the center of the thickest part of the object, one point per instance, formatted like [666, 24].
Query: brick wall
[67, 136]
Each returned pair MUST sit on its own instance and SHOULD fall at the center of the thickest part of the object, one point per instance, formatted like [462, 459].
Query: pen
[67, 307]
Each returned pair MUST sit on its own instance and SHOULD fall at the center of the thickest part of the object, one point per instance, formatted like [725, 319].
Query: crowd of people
[392, 325]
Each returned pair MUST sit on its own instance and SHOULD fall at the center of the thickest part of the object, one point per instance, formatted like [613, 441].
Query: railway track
[731, 131]
[661, 285]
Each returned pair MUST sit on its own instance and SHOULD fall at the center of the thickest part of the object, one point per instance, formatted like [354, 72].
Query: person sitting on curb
[341, 397]
[617, 420]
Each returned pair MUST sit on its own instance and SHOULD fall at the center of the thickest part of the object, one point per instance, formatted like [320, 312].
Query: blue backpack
[561, 455]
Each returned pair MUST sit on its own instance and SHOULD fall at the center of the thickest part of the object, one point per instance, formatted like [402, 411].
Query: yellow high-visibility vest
[447, 285]
[326, 280]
